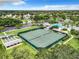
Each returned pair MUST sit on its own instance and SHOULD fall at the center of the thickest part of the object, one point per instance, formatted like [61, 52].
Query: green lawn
[1, 34]
[25, 48]
[15, 32]
[74, 43]
[22, 46]
[19, 50]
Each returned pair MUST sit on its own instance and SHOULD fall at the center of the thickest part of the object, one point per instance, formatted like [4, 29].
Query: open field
[23, 45]
[74, 43]
[26, 50]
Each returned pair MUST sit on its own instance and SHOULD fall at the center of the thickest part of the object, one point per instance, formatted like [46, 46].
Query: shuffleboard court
[41, 38]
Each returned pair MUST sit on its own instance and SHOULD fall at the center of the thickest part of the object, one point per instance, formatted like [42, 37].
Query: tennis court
[41, 38]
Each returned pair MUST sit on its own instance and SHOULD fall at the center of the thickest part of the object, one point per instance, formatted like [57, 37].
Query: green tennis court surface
[41, 38]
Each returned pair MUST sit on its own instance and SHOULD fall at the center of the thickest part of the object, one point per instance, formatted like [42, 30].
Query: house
[27, 16]
[46, 24]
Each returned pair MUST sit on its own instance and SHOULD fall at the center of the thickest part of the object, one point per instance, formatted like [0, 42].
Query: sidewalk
[68, 40]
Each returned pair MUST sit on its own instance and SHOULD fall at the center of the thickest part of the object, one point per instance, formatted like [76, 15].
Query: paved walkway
[68, 40]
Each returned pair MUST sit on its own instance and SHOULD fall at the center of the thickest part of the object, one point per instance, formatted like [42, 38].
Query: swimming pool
[59, 25]
[40, 38]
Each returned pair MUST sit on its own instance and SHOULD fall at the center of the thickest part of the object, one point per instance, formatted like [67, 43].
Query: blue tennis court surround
[41, 38]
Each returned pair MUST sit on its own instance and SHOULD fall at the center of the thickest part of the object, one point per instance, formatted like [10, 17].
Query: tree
[46, 17]
[2, 28]
[21, 53]
[2, 52]
[62, 16]
[42, 54]
[74, 32]
[37, 18]
[18, 26]
[58, 52]
[9, 22]
[41, 17]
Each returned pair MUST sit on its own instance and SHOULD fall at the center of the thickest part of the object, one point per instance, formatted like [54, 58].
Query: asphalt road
[14, 28]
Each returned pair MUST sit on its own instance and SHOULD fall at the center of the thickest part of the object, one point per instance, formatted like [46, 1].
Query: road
[14, 28]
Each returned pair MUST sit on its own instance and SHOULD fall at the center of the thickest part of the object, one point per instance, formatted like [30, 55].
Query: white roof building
[46, 24]
[27, 16]
[9, 41]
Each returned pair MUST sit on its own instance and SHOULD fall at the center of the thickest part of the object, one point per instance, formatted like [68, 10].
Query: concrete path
[68, 40]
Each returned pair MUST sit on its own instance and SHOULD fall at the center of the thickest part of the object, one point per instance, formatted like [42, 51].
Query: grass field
[22, 46]
[74, 43]
[27, 47]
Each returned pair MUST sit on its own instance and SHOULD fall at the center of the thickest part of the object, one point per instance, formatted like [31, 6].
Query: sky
[39, 4]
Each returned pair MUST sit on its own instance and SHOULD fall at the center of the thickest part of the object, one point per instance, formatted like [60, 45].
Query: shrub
[2, 28]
